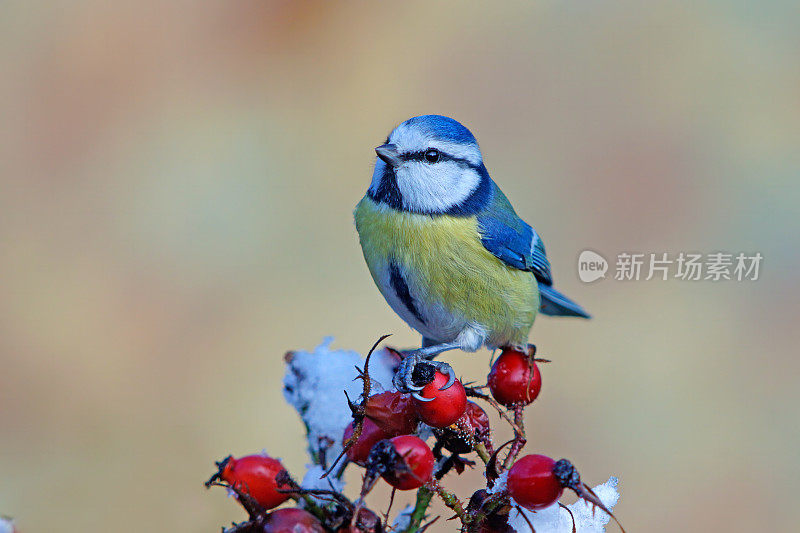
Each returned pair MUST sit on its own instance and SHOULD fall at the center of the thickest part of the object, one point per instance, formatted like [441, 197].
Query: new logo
[591, 266]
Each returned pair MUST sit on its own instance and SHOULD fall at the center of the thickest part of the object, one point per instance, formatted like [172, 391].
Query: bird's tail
[554, 303]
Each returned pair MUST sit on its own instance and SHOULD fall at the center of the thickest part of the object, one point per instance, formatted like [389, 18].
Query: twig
[358, 411]
[424, 496]
[389, 509]
[473, 392]
[451, 501]
[492, 504]
[519, 436]
[297, 493]
[482, 452]
[426, 526]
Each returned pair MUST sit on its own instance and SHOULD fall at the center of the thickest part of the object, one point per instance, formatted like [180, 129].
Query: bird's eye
[432, 155]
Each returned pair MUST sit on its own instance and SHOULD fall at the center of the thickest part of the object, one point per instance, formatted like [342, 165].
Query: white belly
[426, 315]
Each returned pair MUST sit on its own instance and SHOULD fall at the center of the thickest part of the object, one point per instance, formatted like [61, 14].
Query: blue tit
[446, 248]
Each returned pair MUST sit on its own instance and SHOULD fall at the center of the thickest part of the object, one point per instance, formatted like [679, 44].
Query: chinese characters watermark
[686, 266]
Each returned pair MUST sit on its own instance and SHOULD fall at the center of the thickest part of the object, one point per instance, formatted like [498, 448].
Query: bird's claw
[419, 397]
[404, 381]
[447, 370]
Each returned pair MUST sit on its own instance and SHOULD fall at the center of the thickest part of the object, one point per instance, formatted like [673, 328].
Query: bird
[447, 250]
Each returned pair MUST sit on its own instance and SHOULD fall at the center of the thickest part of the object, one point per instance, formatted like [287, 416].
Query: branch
[424, 496]
[519, 436]
[452, 501]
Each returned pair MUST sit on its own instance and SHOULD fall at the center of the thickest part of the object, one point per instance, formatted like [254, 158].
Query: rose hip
[444, 407]
[392, 412]
[370, 434]
[292, 520]
[405, 462]
[532, 482]
[254, 475]
[515, 379]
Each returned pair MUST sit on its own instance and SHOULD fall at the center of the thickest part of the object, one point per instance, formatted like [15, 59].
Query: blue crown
[443, 128]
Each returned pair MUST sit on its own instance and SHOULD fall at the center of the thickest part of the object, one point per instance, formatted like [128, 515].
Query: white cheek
[435, 188]
[380, 165]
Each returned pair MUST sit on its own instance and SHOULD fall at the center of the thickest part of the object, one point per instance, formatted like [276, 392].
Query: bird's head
[429, 164]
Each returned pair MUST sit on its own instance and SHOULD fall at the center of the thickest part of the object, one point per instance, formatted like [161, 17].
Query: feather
[554, 303]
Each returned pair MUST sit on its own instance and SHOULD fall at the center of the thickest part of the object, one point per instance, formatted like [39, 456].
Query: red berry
[472, 427]
[254, 475]
[291, 520]
[370, 434]
[477, 418]
[392, 412]
[532, 483]
[446, 406]
[416, 463]
[514, 378]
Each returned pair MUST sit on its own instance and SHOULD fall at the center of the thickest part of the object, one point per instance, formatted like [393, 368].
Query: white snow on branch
[499, 483]
[554, 519]
[313, 481]
[314, 385]
[7, 525]
[403, 518]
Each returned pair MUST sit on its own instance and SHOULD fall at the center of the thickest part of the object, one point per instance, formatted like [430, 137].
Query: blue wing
[518, 246]
[510, 239]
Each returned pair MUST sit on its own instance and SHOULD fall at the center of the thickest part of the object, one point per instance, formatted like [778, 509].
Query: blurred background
[176, 191]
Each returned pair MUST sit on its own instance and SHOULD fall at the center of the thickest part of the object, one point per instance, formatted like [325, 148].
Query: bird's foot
[416, 371]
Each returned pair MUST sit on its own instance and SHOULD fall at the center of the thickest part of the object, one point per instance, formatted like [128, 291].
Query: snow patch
[314, 385]
[313, 481]
[403, 518]
[6, 525]
[499, 483]
[554, 519]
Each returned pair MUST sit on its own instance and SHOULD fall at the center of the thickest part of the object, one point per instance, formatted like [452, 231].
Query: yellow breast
[446, 265]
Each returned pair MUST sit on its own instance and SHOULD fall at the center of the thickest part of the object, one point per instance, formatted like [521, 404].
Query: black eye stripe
[443, 156]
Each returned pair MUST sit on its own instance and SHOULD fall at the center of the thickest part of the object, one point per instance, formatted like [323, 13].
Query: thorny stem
[358, 410]
[451, 501]
[474, 393]
[391, 502]
[482, 452]
[297, 493]
[424, 496]
[490, 506]
[336, 503]
[311, 506]
[250, 505]
[519, 436]
[367, 485]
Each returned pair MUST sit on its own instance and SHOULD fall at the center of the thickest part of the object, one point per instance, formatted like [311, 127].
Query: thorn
[491, 468]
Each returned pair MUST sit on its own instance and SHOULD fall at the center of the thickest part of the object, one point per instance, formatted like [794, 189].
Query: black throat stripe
[400, 288]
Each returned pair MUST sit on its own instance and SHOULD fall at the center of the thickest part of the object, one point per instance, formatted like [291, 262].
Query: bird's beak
[389, 153]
